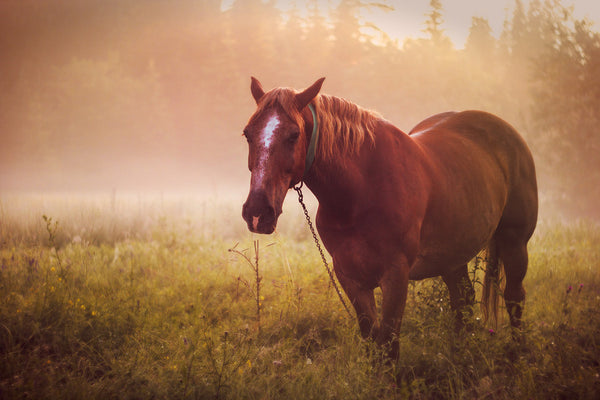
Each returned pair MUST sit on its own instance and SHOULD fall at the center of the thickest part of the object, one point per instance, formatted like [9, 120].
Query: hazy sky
[126, 96]
[406, 20]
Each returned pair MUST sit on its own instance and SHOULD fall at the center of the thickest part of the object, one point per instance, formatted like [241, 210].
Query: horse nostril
[258, 212]
[255, 222]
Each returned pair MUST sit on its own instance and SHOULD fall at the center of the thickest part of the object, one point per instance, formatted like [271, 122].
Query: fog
[135, 96]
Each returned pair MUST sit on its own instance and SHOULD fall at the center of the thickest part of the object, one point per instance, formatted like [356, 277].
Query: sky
[408, 16]
[406, 20]
[165, 43]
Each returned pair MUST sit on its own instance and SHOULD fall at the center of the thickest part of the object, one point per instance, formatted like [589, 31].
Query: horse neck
[349, 180]
[330, 181]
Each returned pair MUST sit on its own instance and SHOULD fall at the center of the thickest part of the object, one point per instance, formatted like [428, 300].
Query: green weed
[164, 310]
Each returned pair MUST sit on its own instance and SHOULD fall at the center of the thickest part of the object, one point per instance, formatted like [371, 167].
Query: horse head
[277, 139]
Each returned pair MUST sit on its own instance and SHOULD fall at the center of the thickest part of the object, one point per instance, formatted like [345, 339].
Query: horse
[395, 207]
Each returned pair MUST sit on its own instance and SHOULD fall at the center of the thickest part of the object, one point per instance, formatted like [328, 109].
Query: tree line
[114, 93]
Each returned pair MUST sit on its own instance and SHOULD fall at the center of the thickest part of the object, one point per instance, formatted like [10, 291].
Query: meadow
[165, 297]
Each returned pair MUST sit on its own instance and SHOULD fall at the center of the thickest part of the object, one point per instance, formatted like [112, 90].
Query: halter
[312, 146]
[310, 157]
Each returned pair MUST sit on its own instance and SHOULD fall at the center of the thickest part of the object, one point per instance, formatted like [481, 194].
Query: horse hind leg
[513, 254]
[462, 294]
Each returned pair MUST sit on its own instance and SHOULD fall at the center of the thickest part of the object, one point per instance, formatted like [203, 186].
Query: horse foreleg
[394, 288]
[363, 301]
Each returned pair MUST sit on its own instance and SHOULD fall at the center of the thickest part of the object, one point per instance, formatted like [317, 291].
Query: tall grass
[136, 298]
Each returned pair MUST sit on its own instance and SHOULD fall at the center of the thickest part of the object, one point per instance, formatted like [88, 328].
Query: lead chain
[298, 190]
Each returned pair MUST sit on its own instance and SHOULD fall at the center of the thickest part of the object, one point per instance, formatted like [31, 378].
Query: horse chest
[360, 252]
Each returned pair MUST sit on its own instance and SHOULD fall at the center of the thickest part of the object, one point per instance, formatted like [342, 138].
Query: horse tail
[490, 296]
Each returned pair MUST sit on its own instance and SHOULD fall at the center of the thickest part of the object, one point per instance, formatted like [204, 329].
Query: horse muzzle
[259, 212]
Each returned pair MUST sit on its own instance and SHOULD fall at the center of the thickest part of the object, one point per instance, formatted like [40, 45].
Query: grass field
[131, 297]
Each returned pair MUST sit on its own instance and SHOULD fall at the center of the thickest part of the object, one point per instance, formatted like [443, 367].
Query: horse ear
[305, 97]
[256, 89]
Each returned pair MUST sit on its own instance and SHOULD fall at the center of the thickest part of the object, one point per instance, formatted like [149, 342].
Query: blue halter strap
[314, 138]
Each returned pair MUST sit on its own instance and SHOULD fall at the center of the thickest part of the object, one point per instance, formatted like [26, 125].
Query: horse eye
[293, 138]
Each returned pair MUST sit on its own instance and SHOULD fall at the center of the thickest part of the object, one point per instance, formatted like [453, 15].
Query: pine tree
[480, 42]
[434, 25]
[566, 110]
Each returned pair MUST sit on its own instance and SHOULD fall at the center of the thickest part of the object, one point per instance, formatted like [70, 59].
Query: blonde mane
[343, 125]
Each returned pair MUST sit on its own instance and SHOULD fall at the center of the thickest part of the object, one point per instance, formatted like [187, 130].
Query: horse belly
[440, 255]
[455, 233]
[443, 258]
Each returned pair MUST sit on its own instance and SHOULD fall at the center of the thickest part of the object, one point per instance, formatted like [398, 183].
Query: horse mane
[343, 125]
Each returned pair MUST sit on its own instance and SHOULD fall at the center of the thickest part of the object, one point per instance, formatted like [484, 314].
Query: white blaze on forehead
[269, 130]
[266, 140]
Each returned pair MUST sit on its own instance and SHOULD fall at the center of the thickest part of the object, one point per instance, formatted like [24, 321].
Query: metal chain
[298, 190]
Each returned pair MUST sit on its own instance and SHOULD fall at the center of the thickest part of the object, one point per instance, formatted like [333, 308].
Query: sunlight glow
[405, 20]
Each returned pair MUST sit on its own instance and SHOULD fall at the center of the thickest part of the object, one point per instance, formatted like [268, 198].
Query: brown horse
[392, 206]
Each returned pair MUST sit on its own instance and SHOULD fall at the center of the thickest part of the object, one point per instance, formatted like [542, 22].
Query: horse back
[472, 139]
[431, 122]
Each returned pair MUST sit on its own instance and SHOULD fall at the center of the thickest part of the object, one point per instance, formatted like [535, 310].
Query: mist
[153, 96]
